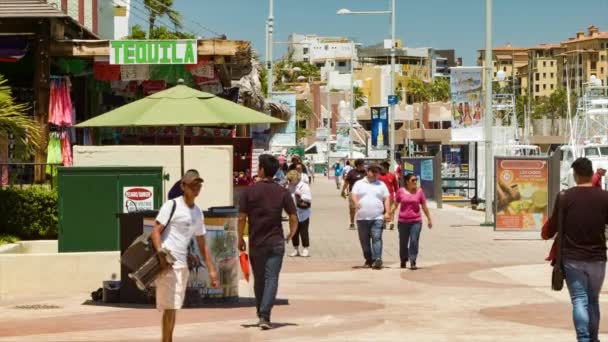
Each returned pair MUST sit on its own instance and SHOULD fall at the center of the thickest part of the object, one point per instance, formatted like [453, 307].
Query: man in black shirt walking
[262, 205]
[584, 211]
[353, 177]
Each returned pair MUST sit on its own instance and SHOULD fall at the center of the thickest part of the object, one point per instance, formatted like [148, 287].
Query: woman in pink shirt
[411, 199]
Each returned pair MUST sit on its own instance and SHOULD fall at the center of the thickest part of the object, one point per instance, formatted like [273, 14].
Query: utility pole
[352, 99]
[392, 92]
[269, 43]
[489, 118]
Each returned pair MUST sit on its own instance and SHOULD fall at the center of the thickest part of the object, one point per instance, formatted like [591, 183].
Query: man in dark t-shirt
[584, 210]
[262, 204]
[353, 177]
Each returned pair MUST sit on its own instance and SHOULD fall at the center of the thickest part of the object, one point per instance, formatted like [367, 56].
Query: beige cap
[191, 176]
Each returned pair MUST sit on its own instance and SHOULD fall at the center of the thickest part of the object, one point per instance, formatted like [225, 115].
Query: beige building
[541, 76]
[584, 56]
[507, 59]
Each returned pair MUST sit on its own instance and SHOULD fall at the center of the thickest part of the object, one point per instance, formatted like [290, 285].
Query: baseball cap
[191, 176]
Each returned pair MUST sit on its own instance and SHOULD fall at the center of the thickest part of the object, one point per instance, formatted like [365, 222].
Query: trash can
[222, 241]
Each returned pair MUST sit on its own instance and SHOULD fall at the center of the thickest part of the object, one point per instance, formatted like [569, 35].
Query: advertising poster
[137, 198]
[286, 137]
[342, 137]
[423, 169]
[466, 91]
[379, 127]
[522, 193]
[260, 136]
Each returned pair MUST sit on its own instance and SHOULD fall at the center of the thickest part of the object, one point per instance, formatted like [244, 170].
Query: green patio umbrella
[180, 106]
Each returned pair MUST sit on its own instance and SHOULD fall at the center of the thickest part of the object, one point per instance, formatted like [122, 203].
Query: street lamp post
[345, 11]
[489, 117]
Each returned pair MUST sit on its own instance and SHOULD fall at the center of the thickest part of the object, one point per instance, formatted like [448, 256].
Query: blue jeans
[409, 236]
[266, 264]
[371, 230]
[584, 280]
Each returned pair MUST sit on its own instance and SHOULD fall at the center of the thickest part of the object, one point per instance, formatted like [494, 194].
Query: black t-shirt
[264, 203]
[353, 177]
[585, 215]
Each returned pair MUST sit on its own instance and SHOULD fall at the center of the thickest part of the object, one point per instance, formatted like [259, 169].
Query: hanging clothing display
[53, 152]
[60, 103]
[138, 72]
[66, 150]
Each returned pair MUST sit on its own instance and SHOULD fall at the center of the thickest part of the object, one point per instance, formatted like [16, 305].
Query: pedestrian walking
[584, 214]
[337, 167]
[597, 177]
[372, 200]
[347, 169]
[311, 171]
[390, 180]
[353, 177]
[303, 175]
[183, 220]
[302, 197]
[409, 200]
[261, 205]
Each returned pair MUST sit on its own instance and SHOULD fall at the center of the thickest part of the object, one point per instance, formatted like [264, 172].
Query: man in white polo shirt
[178, 221]
[372, 200]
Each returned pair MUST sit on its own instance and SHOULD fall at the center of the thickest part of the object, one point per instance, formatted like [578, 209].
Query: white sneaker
[305, 253]
[295, 253]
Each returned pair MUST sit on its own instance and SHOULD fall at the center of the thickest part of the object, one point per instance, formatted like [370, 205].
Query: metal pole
[181, 148]
[489, 117]
[392, 91]
[270, 28]
[352, 100]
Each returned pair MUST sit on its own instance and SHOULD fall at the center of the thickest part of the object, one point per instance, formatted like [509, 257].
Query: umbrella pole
[181, 148]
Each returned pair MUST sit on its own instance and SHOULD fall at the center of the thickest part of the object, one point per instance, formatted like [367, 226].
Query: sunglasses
[413, 179]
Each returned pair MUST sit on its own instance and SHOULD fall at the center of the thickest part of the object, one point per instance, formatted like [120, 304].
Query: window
[552, 86]
[593, 65]
[537, 88]
[544, 75]
[537, 76]
[591, 152]
[341, 64]
[504, 69]
[494, 74]
[326, 47]
[604, 151]
[544, 87]
[306, 59]
[552, 75]
[305, 51]
[551, 63]
[602, 70]
[320, 65]
[544, 63]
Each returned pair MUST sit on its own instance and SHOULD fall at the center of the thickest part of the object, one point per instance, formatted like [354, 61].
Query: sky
[441, 24]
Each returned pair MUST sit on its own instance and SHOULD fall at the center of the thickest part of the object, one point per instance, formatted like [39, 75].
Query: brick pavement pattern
[473, 284]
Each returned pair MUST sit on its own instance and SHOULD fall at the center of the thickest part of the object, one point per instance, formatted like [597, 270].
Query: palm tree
[160, 8]
[13, 119]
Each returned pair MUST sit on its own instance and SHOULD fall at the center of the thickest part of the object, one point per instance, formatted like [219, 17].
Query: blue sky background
[442, 24]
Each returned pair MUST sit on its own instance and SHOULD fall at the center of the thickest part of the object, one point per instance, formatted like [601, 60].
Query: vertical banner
[379, 127]
[342, 137]
[521, 193]
[466, 91]
[286, 137]
[260, 136]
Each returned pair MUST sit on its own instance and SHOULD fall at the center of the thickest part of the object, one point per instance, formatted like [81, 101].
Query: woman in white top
[300, 191]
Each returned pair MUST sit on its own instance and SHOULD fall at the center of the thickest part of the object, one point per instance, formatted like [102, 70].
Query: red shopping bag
[245, 265]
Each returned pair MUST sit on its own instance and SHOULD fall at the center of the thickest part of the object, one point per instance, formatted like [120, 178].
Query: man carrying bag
[185, 223]
[579, 218]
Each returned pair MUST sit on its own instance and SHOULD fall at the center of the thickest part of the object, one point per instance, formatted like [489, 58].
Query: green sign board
[125, 52]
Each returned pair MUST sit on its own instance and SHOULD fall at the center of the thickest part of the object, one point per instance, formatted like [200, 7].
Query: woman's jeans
[266, 263]
[371, 230]
[409, 236]
[584, 280]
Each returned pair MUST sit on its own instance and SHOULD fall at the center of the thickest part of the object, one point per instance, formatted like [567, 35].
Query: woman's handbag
[302, 204]
[557, 276]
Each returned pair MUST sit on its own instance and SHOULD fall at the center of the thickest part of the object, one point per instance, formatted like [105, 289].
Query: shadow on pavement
[274, 325]
[243, 302]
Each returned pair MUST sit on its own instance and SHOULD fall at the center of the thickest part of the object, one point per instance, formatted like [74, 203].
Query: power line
[190, 20]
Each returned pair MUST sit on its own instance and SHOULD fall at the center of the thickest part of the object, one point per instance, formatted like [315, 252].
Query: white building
[331, 53]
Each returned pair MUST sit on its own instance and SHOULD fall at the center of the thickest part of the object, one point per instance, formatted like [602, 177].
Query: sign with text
[128, 52]
[521, 193]
[467, 114]
[379, 127]
[137, 198]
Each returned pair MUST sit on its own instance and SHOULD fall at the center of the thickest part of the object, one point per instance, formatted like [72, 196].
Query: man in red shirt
[596, 180]
[389, 179]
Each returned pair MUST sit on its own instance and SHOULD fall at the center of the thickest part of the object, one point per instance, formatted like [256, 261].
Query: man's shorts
[171, 288]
